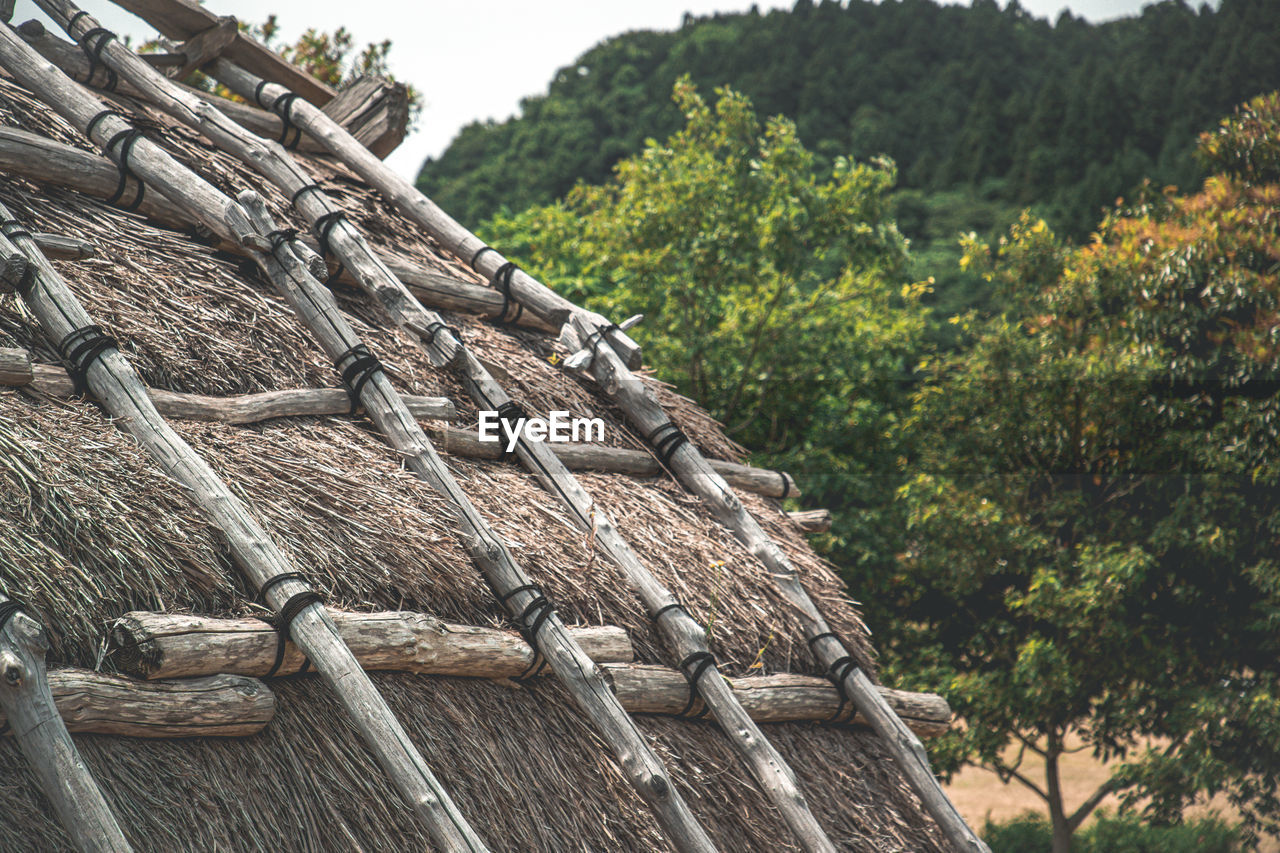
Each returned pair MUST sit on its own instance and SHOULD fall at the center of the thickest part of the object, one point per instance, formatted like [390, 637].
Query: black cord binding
[77, 16]
[309, 188]
[357, 374]
[281, 237]
[81, 349]
[283, 107]
[93, 122]
[510, 414]
[435, 327]
[597, 337]
[661, 610]
[479, 252]
[701, 662]
[130, 137]
[282, 622]
[93, 50]
[501, 281]
[786, 484]
[836, 674]
[666, 440]
[539, 610]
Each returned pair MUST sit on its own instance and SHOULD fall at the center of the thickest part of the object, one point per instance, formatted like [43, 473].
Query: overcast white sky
[475, 59]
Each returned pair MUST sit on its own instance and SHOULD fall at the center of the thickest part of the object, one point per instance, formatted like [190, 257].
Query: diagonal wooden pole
[289, 265]
[113, 382]
[685, 635]
[693, 472]
[36, 724]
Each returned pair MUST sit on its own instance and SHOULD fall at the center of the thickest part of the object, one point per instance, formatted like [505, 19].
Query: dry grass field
[979, 794]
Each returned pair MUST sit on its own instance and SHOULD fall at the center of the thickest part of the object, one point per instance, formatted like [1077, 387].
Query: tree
[1093, 514]
[773, 297]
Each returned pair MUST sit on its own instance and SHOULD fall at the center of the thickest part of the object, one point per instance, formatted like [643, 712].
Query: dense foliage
[1007, 108]
[774, 297]
[1093, 511]
[1032, 834]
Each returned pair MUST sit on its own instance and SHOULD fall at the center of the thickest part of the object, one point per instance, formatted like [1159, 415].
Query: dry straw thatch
[94, 529]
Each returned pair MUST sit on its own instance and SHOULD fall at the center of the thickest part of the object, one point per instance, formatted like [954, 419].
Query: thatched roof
[94, 529]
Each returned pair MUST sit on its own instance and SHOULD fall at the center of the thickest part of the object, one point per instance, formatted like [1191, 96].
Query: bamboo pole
[692, 470]
[685, 634]
[211, 706]
[114, 383]
[31, 714]
[173, 645]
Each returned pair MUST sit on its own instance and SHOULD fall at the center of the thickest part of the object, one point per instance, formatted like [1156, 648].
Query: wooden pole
[526, 290]
[115, 384]
[212, 706]
[808, 520]
[31, 714]
[692, 470]
[173, 645]
[781, 698]
[44, 160]
[685, 634]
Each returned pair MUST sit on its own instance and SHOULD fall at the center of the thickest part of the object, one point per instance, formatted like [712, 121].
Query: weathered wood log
[59, 248]
[114, 383]
[15, 366]
[17, 369]
[513, 587]
[525, 290]
[33, 717]
[808, 520]
[373, 110]
[168, 645]
[693, 472]
[212, 706]
[181, 19]
[205, 46]
[44, 160]
[781, 698]
[319, 313]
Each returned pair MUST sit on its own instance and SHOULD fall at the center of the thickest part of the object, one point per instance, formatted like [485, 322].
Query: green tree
[775, 298]
[1093, 514]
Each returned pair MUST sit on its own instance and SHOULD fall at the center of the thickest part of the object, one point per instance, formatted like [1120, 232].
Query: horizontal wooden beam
[780, 698]
[213, 706]
[166, 645]
[173, 646]
[16, 368]
[182, 19]
[812, 520]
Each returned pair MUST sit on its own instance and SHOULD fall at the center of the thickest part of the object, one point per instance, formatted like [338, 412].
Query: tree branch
[1087, 807]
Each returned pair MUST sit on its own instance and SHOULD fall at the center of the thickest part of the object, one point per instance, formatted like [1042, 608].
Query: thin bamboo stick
[692, 470]
[113, 382]
[32, 715]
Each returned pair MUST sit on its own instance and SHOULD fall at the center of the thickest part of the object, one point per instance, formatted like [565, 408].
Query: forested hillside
[997, 108]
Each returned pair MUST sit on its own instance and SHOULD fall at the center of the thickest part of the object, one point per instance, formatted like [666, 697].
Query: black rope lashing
[13, 229]
[666, 440]
[77, 16]
[283, 107]
[668, 607]
[476, 257]
[435, 327]
[94, 52]
[511, 413]
[836, 674]
[701, 662]
[539, 610]
[501, 282]
[356, 375]
[786, 484]
[324, 227]
[130, 137]
[81, 349]
[282, 622]
[281, 237]
[93, 122]
[597, 337]
[309, 188]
